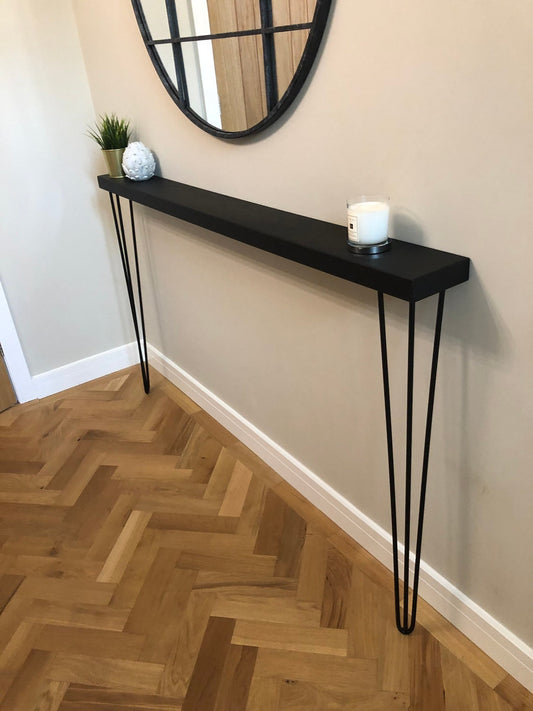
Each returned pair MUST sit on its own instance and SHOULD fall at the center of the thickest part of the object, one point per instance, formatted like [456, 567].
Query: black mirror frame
[306, 62]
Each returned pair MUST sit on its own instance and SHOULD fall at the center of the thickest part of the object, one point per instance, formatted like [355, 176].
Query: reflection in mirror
[200, 75]
[232, 65]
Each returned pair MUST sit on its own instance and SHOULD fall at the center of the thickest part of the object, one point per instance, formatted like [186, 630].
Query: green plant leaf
[110, 132]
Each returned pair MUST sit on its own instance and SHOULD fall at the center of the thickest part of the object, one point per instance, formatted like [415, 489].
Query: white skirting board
[28, 387]
[81, 371]
[13, 354]
[493, 638]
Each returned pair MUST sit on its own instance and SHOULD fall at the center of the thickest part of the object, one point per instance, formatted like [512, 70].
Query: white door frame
[13, 353]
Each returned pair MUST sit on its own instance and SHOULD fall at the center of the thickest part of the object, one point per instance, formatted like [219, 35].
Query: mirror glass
[233, 66]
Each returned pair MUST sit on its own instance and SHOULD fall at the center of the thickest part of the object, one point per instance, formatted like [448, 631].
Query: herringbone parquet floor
[150, 562]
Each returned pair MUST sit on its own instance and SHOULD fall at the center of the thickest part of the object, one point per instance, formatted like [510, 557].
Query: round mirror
[232, 66]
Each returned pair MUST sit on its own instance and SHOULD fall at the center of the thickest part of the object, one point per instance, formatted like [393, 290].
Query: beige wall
[433, 104]
[57, 265]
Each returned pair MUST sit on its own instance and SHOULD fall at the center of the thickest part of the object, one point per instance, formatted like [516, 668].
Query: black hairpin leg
[406, 625]
[140, 334]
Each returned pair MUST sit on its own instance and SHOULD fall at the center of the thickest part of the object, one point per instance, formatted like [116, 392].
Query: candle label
[353, 228]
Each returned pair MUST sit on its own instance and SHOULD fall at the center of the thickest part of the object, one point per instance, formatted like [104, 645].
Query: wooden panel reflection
[239, 63]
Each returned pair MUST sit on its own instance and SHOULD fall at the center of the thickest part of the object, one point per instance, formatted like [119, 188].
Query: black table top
[407, 271]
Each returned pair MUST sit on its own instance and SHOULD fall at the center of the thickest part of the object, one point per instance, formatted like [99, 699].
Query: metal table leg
[140, 334]
[406, 625]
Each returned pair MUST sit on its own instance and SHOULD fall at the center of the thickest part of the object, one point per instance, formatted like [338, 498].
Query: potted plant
[112, 135]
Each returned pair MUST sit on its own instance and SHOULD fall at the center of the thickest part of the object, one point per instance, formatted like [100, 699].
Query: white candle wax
[368, 222]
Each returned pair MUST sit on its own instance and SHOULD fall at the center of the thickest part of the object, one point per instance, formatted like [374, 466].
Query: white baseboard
[28, 387]
[13, 354]
[81, 371]
[493, 638]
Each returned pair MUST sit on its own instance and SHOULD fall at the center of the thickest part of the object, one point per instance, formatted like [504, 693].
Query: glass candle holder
[368, 220]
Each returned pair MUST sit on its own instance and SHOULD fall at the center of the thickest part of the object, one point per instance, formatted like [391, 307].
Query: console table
[408, 271]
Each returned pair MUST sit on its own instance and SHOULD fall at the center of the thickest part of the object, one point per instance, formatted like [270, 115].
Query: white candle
[368, 222]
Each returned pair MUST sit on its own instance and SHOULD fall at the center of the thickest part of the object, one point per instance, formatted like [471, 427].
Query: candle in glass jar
[368, 221]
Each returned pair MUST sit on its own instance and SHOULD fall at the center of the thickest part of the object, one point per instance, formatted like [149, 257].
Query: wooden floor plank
[135, 574]
[236, 679]
[351, 674]
[394, 665]
[314, 697]
[264, 607]
[268, 541]
[221, 475]
[427, 685]
[54, 567]
[208, 671]
[99, 699]
[291, 638]
[236, 491]
[291, 544]
[51, 695]
[313, 569]
[459, 684]
[243, 564]
[16, 651]
[150, 598]
[29, 684]
[130, 704]
[9, 584]
[515, 694]
[124, 548]
[92, 642]
[109, 531]
[337, 589]
[111, 673]
[98, 617]
[184, 654]
[166, 624]
[80, 478]
[74, 591]
[264, 694]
